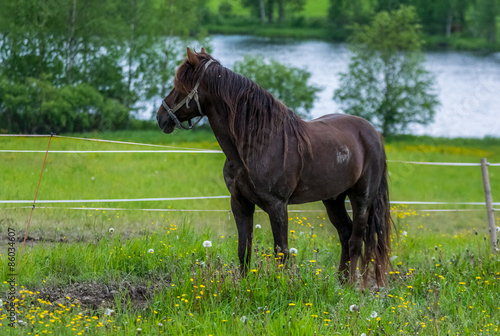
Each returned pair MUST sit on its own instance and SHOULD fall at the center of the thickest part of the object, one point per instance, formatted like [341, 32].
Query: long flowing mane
[254, 116]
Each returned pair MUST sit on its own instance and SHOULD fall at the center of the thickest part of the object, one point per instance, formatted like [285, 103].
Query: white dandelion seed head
[354, 308]
[92, 178]
[1, 303]
[22, 323]
[394, 258]
[293, 250]
[433, 258]
[207, 243]
[243, 319]
[160, 324]
[108, 312]
[258, 226]
[405, 233]
[363, 334]
[111, 230]
[497, 228]
[373, 314]
[301, 233]
[151, 251]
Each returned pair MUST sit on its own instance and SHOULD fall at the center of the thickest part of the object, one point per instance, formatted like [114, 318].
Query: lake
[468, 83]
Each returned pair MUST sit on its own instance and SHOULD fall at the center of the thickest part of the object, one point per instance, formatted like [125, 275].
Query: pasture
[115, 269]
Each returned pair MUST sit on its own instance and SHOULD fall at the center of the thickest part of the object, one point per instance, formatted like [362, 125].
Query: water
[468, 83]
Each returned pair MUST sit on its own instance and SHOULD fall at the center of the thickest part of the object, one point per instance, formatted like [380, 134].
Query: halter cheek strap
[191, 95]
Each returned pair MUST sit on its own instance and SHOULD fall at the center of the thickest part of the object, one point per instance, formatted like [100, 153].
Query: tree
[386, 82]
[101, 54]
[261, 8]
[286, 83]
[485, 19]
[342, 14]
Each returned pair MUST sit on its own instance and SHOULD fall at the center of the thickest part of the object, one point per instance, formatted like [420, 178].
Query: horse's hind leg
[340, 219]
[361, 211]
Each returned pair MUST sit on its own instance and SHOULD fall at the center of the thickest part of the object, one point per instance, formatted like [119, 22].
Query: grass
[152, 271]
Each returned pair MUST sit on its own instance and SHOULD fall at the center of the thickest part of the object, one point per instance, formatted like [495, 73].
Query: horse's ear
[192, 58]
[203, 50]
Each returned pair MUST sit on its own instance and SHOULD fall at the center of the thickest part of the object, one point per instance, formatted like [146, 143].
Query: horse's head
[183, 102]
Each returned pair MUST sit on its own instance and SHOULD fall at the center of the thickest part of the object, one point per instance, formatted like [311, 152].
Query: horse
[274, 158]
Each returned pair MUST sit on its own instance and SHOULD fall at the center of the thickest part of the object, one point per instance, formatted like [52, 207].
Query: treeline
[83, 65]
[444, 18]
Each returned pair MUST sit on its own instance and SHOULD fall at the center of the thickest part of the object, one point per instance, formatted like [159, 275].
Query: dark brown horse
[273, 158]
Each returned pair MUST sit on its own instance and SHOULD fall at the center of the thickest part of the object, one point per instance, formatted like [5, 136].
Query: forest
[85, 65]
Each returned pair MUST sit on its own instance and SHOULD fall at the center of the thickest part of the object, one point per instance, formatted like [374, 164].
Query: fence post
[489, 204]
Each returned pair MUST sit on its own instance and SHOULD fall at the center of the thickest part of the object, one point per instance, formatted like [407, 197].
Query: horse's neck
[220, 127]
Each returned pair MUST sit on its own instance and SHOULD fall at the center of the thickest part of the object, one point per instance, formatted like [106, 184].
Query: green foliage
[286, 83]
[70, 66]
[386, 82]
[37, 106]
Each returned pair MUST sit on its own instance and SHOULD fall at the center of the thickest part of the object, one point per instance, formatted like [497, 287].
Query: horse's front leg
[243, 211]
[278, 216]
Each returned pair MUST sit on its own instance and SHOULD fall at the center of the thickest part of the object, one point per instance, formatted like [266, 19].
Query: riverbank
[312, 22]
[431, 43]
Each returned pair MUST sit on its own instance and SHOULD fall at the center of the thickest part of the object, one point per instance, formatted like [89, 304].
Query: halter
[192, 95]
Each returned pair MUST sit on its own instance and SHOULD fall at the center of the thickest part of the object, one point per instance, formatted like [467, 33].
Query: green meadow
[141, 268]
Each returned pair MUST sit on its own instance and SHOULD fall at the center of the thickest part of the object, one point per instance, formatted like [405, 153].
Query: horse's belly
[314, 193]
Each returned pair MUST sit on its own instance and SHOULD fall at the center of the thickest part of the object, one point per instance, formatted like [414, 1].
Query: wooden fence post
[489, 204]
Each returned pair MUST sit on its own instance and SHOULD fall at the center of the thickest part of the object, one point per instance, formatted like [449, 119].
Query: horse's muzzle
[165, 123]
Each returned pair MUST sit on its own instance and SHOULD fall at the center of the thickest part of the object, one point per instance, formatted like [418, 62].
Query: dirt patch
[97, 295]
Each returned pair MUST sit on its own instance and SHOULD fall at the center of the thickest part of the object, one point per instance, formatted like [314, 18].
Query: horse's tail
[378, 232]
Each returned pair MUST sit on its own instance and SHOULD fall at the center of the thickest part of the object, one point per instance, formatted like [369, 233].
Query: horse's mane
[254, 116]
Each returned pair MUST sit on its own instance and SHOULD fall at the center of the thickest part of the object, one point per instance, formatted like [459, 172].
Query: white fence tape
[97, 140]
[112, 151]
[184, 150]
[219, 210]
[210, 151]
[116, 200]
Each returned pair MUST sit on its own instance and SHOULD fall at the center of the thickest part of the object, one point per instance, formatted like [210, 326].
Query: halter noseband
[192, 95]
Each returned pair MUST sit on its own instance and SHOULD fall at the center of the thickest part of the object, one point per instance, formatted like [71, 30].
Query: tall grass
[444, 280]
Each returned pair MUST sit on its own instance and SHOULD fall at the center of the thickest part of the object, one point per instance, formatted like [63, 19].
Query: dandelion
[497, 228]
[394, 258]
[207, 243]
[363, 334]
[108, 312]
[258, 226]
[151, 251]
[22, 323]
[111, 230]
[405, 233]
[243, 319]
[160, 324]
[354, 308]
[373, 314]
[1, 303]
[139, 331]
[293, 250]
